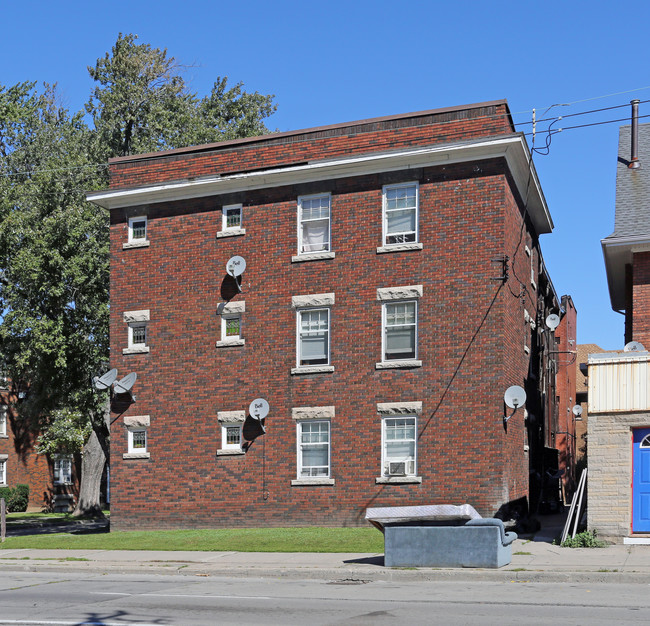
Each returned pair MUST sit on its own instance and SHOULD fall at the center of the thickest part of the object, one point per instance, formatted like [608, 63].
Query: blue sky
[339, 61]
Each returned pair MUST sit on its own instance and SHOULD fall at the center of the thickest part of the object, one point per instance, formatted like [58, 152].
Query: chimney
[634, 160]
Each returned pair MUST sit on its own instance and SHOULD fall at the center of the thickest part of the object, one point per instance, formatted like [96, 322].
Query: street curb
[334, 575]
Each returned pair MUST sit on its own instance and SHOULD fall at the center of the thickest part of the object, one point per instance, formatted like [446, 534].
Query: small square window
[63, 470]
[230, 327]
[137, 229]
[314, 449]
[314, 224]
[231, 436]
[138, 334]
[400, 214]
[313, 337]
[232, 217]
[399, 330]
[137, 440]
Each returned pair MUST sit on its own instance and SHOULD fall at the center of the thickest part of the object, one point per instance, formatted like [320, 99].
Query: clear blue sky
[329, 62]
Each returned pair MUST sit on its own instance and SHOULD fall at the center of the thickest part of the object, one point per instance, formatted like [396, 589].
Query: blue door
[641, 480]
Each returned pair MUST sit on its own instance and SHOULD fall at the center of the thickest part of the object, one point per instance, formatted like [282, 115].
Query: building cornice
[511, 147]
[618, 252]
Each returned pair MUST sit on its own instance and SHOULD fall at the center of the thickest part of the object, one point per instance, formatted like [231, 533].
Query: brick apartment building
[52, 482]
[393, 290]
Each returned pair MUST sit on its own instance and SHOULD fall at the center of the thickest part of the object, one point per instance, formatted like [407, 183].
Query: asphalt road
[61, 599]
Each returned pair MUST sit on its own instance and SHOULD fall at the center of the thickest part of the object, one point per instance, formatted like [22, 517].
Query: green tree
[54, 258]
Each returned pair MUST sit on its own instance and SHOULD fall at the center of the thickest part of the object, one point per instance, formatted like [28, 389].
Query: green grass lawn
[310, 539]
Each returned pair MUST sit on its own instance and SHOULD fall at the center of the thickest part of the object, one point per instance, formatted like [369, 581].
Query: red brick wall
[24, 466]
[319, 144]
[471, 339]
[641, 298]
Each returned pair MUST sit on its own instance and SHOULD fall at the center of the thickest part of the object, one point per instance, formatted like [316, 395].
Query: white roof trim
[512, 147]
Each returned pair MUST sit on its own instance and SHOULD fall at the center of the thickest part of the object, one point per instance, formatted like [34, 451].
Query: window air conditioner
[397, 468]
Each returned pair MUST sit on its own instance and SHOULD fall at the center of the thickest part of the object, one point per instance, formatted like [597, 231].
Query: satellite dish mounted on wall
[577, 411]
[125, 384]
[235, 267]
[553, 321]
[634, 346]
[514, 397]
[104, 382]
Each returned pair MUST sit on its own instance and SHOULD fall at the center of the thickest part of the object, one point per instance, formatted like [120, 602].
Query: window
[314, 449]
[230, 327]
[138, 331]
[232, 217]
[137, 229]
[313, 337]
[313, 224]
[231, 323]
[231, 423]
[398, 446]
[399, 331]
[137, 440]
[3, 469]
[3, 420]
[400, 220]
[63, 470]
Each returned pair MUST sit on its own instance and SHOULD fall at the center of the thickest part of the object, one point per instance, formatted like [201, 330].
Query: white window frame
[131, 448]
[385, 211]
[229, 311]
[300, 313]
[3, 471]
[301, 475]
[384, 307]
[4, 412]
[132, 220]
[385, 460]
[60, 460]
[225, 211]
[224, 327]
[328, 248]
[225, 445]
[135, 319]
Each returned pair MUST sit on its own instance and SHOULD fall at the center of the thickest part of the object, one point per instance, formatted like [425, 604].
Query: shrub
[585, 539]
[16, 498]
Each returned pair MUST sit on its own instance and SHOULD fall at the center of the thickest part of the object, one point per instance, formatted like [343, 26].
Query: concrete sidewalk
[533, 561]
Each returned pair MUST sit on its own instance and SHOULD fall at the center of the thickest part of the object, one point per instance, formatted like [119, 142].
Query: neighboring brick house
[394, 289]
[619, 382]
[52, 482]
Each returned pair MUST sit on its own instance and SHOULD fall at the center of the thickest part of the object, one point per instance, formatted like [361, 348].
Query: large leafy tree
[54, 245]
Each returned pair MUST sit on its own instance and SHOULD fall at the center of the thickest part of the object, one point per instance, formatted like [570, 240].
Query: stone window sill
[312, 369]
[144, 243]
[313, 482]
[313, 256]
[136, 455]
[4, 436]
[392, 365]
[233, 232]
[398, 480]
[232, 452]
[141, 350]
[400, 247]
[228, 343]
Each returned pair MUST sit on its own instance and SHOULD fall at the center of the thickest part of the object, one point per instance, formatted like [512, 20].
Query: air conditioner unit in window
[397, 468]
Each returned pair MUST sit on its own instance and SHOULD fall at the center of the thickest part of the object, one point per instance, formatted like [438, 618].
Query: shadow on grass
[52, 526]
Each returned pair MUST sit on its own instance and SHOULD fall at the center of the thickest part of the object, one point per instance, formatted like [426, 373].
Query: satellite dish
[259, 409]
[515, 397]
[577, 410]
[124, 385]
[634, 346]
[105, 381]
[235, 266]
[553, 321]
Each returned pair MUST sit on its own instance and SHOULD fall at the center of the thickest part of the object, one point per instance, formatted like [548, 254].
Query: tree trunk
[94, 456]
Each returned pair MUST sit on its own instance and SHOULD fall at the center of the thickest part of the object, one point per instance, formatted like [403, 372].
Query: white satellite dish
[105, 381]
[515, 397]
[258, 409]
[235, 266]
[634, 346]
[553, 321]
[125, 384]
[577, 410]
